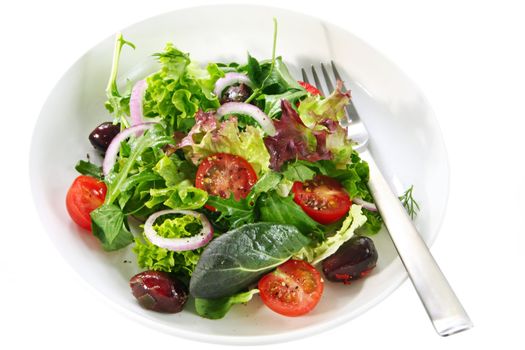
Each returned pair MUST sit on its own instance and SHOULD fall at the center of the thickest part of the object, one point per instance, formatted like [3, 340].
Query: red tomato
[310, 88]
[85, 195]
[322, 198]
[222, 174]
[293, 289]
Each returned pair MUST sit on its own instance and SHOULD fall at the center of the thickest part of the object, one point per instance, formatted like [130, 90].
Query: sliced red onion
[136, 108]
[111, 153]
[250, 110]
[230, 79]
[179, 244]
[367, 205]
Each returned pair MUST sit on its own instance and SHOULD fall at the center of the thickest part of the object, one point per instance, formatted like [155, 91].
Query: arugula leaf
[283, 210]
[90, 169]
[109, 226]
[217, 308]
[238, 258]
[154, 138]
[237, 213]
[118, 103]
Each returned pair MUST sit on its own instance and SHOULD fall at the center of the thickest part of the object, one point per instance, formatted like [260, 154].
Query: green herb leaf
[217, 308]
[109, 226]
[410, 204]
[283, 210]
[240, 257]
[237, 213]
[90, 169]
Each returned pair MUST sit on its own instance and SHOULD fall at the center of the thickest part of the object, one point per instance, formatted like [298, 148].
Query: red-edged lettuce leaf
[293, 140]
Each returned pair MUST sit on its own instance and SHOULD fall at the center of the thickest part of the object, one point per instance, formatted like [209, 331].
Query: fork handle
[443, 307]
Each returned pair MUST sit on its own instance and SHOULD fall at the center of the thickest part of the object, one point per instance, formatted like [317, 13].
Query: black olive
[236, 93]
[159, 291]
[355, 259]
[103, 134]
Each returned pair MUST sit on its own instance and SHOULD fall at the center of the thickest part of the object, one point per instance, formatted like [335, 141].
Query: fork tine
[305, 77]
[338, 76]
[317, 81]
[327, 79]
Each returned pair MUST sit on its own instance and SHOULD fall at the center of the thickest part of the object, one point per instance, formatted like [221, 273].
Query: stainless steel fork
[443, 307]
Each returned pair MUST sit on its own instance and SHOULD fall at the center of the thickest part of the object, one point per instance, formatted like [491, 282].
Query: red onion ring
[179, 244]
[367, 205]
[136, 108]
[111, 153]
[250, 110]
[231, 79]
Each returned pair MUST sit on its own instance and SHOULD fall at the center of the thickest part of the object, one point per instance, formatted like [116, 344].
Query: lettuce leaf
[217, 308]
[180, 89]
[321, 251]
[182, 263]
[315, 110]
[209, 136]
[293, 140]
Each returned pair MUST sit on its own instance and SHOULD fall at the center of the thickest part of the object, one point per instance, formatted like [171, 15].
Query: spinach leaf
[109, 226]
[217, 308]
[241, 256]
[88, 168]
[283, 210]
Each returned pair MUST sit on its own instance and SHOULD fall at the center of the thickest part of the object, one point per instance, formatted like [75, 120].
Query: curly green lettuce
[180, 89]
[182, 263]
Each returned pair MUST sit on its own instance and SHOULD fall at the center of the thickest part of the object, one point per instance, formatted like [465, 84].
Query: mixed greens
[227, 172]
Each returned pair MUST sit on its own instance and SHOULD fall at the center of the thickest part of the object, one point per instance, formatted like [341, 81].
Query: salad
[228, 180]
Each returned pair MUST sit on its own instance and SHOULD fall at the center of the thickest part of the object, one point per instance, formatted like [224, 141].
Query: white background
[468, 57]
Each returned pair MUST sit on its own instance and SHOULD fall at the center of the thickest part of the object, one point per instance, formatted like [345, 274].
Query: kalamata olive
[102, 135]
[159, 291]
[355, 259]
[236, 93]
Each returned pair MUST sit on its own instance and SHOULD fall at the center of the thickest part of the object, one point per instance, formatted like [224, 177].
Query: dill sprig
[408, 201]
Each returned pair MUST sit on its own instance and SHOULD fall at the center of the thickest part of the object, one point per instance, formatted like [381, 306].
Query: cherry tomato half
[85, 195]
[222, 174]
[293, 289]
[310, 88]
[322, 198]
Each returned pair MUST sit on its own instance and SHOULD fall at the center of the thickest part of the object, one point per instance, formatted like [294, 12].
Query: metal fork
[443, 307]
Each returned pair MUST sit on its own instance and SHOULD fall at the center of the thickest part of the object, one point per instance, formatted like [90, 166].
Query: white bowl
[405, 139]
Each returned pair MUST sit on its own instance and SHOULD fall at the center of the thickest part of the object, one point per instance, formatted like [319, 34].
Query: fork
[441, 303]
